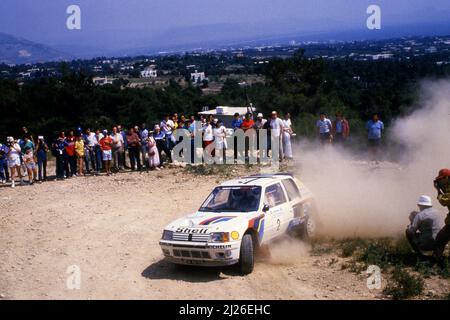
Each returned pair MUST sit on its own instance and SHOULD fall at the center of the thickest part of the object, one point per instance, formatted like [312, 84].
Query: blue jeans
[98, 158]
[4, 173]
[42, 168]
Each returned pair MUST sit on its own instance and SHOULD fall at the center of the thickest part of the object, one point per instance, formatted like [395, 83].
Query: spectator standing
[161, 144]
[98, 152]
[90, 141]
[220, 142]
[246, 125]
[167, 127]
[259, 122]
[341, 128]
[70, 150]
[208, 136]
[30, 164]
[106, 144]
[125, 146]
[79, 153]
[13, 155]
[143, 134]
[276, 130]
[134, 142]
[4, 173]
[41, 153]
[287, 134]
[117, 149]
[324, 127]
[153, 155]
[374, 128]
[236, 124]
[60, 154]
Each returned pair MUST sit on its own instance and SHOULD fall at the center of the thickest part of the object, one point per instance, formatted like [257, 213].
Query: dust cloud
[281, 251]
[359, 198]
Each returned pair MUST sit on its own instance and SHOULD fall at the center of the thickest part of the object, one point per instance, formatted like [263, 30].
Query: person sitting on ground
[442, 185]
[425, 225]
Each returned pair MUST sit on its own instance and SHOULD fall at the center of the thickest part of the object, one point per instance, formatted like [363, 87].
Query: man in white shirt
[324, 127]
[167, 127]
[90, 141]
[424, 227]
[276, 130]
[117, 149]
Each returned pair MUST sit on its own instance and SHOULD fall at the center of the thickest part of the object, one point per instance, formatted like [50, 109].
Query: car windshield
[233, 199]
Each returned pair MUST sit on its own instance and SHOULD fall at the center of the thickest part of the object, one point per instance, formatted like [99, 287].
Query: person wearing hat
[424, 227]
[442, 185]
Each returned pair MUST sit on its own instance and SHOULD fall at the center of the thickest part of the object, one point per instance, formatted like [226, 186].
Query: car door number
[278, 224]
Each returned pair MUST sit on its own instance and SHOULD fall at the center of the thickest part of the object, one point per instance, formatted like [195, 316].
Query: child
[30, 164]
[79, 151]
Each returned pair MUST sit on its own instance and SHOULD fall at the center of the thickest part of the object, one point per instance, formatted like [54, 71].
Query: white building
[198, 77]
[101, 81]
[149, 72]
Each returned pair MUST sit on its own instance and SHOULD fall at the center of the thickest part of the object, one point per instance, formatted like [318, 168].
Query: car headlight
[167, 235]
[219, 237]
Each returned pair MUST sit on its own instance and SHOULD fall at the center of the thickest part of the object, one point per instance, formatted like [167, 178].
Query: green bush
[403, 285]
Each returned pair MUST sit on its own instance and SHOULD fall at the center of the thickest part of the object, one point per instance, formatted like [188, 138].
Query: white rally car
[237, 218]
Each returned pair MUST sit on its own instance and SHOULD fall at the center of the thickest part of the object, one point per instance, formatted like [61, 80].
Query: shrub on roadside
[403, 285]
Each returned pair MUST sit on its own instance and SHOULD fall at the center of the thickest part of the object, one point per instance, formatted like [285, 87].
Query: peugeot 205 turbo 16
[237, 218]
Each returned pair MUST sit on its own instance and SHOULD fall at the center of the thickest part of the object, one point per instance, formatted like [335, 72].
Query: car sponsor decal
[216, 220]
[257, 224]
[192, 230]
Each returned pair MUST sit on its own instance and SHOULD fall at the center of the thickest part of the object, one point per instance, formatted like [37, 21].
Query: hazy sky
[44, 20]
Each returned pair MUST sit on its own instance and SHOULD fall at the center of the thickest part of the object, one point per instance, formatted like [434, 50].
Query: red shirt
[70, 148]
[247, 124]
[106, 143]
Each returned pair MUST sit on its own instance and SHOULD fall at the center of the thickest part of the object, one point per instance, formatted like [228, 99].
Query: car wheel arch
[255, 237]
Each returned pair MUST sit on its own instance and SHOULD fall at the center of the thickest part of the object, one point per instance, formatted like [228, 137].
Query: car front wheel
[246, 257]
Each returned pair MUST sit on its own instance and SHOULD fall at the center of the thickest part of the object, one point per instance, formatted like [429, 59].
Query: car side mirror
[265, 208]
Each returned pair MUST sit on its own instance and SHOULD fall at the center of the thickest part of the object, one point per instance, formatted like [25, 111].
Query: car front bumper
[200, 253]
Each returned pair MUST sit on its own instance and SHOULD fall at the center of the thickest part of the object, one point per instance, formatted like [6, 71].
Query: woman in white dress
[153, 155]
[287, 133]
[220, 142]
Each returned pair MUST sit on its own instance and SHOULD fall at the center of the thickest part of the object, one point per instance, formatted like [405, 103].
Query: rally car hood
[207, 220]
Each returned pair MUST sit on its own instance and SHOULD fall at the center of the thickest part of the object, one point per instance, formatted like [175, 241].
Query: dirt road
[110, 226]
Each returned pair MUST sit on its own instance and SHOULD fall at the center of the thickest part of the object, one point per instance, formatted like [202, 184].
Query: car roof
[257, 180]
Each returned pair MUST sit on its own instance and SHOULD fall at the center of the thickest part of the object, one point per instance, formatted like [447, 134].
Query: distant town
[209, 69]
